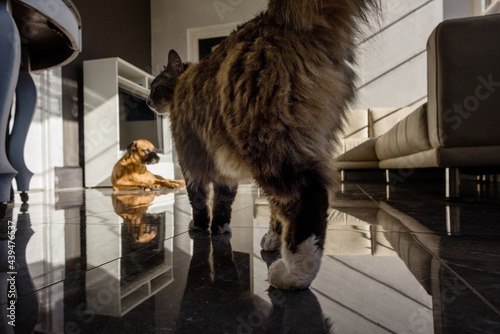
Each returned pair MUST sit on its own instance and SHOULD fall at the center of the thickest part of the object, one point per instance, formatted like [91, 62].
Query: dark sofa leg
[452, 183]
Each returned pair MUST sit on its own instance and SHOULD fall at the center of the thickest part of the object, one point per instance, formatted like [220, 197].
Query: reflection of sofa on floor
[352, 228]
[459, 126]
[460, 282]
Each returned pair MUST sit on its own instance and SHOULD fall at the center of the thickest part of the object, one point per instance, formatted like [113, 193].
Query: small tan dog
[130, 171]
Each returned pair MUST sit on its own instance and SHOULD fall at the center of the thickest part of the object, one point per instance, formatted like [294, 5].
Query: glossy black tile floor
[90, 262]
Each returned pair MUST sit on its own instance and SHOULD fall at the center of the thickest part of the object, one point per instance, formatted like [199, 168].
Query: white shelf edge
[132, 86]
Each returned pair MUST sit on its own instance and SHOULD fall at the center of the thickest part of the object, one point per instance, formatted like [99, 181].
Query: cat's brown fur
[268, 104]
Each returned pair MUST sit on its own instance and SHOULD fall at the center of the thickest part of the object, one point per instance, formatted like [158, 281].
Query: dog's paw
[180, 183]
[173, 183]
[170, 184]
[296, 271]
[226, 228]
[271, 241]
[148, 186]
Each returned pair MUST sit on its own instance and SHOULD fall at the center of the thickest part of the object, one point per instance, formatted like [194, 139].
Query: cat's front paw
[217, 229]
[271, 241]
[282, 278]
[296, 270]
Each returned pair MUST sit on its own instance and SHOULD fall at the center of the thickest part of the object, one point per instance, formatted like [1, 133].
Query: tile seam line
[467, 284]
[413, 236]
[351, 310]
[370, 197]
[65, 278]
[380, 282]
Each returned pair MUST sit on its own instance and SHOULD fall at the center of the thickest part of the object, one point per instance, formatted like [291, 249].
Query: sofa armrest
[407, 137]
[464, 82]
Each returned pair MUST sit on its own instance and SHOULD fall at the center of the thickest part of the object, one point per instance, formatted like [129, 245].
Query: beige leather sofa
[459, 127]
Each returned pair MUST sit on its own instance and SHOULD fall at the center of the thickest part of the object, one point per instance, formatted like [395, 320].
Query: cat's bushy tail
[305, 14]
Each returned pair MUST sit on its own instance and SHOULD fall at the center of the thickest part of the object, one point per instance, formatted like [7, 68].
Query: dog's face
[144, 151]
[163, 86]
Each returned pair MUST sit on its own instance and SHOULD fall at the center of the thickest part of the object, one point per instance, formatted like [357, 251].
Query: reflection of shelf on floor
[110, 291]
[150, 275]
[103, 299]
[140, 290]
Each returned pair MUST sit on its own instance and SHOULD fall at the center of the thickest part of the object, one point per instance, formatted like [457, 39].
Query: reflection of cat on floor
[219, 292]
[133, 209]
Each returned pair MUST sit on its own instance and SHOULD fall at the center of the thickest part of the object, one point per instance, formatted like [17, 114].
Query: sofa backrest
[407, 137]
[382, 120]
[363, 124]
[464, 82]
[355, 130]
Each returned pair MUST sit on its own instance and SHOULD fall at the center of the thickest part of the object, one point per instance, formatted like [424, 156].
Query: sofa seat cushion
[360, 157]
[407, 137]
[424, 159]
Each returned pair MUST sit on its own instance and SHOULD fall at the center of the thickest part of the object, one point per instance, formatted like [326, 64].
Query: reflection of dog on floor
[133, 209]
[130, 171]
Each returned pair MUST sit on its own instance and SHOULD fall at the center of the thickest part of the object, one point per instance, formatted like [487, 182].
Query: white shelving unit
[102, 80]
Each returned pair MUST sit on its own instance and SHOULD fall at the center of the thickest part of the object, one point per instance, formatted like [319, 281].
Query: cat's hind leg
[222, 202]
[198, 197]
[271, 241]
[304, 229]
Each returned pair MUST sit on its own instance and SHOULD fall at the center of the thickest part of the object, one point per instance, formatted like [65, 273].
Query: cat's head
[163, 86]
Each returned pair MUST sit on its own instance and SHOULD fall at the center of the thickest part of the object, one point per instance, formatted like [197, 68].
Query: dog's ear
[131, 148]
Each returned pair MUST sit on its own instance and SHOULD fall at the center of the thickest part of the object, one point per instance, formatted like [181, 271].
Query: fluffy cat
[268, 104]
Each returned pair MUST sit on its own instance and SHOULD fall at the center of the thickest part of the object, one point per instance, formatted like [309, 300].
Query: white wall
[460, 8]
[44, 143]
[171, 19]
[392, 58]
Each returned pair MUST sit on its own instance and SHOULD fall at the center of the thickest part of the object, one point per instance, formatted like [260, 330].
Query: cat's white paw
[271, 241]
[296, 271]
[224, 229]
